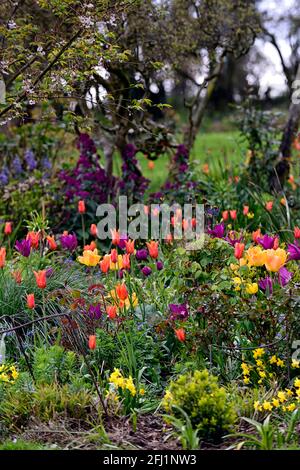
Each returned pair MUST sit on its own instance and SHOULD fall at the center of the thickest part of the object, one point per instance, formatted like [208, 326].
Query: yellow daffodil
[89, 258]
[267, 406]
[297, 382]
[282, 396]
[291, 407]
[259, 352]
[280, 363]
[273, 360]
[275, 402]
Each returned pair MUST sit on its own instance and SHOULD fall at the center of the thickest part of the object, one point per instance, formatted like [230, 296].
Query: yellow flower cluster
[261, 367]
[116, 378]
[286, 400]
[8, 374]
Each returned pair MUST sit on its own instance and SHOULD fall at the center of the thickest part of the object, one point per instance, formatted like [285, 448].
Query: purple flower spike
[217, 232]
[146, 271]
[23, 247]
[294, 251]
[266, 242]
[142, 254]
[284, 276]
[266, 285]
[178, 311]
[69, 242]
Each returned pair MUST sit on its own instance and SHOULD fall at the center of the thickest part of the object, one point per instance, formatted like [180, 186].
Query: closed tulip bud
[93, 230]
[113, 255]
[105, 264]
[180, 333]
[40, 277]
[233, 214]
[111, 311]
[52, 243]
[8, 228]
[126, 261]
[81, 207]
[30, 301]
[92, 342]
[245, 210]
[297, 232]
[239, 250]
[2, 257]
[225, 215]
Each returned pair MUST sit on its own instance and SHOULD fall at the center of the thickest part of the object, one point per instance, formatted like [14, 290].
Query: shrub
[205, 403]
[53, 364]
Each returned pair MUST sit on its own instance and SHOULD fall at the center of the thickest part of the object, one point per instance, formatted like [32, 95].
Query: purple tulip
[146, 271]
[159, 265]
[266, 285]
[23, 247]
[217, 232]
[178, 311]
[69, 242]
[94, 312]
[123, 239]
[284, 276]
[266, 242]
[142, 254]
[294, 251]
[231, 240]
[120, 274]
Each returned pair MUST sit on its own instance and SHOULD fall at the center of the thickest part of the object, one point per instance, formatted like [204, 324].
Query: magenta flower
[69, 242]
[94, 312]
[217, 232]
[284, 276]
[294, 251]
[146, 270]
[159, 265]
[232, 240]
[266, 242]
[178, 311]
[23, 247]
[142, 254]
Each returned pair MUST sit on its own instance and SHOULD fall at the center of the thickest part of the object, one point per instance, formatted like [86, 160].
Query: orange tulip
[269, 206]
[111, 311]
[121, 291]
[105, 264]
[275, 259]
[93, 230]
[30, 301]
[113, 255]
[90, 247]
[34, 238]
[256, 235]
[129, 245]
[297, 232]
[151, 165]
[180, 333]
[233, 214]
[17, 275]
[92, 342]
[115, 237]
[255, 256]
[40, 277]
[239, 250]
[153, 249]
[225, 215]
[81, 207]
[126, 261]
[2, 257]
[52, 243]
[246, 210]
[8, 228]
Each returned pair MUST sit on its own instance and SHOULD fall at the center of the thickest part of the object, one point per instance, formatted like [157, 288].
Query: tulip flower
[180, 333]
[159, 265]
[266, 285]
[30, 301]
[93, 230]
[275, 259]
[266, 242]
[2, 257]
[129, 246]
[245, 210]
[111, 311]
[256, 235]
[23, 247]
[225, 215]
[89, 258]
[40, 277]
[113, 255]
[146, 270]
[269, 206]
[34, 238]
[69, 242]
[294, 251]
[92, 342]
[8, 228]
[81, 207]
[122, 241]
[284, 276]
[297, 232]
[239, 250]
[105, 264]
[255, 256]
[153, 249]
[178, 311]
[115, 237]
[121, 291]
[95, 312]
[52, 243]
[233, 214]
[92, 246]
[141, 255]
[126, 261]
[17, 275]
[217, 232]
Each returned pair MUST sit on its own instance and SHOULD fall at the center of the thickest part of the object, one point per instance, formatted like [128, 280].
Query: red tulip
[239, 250]
[114, 255]
[92, 342]
[81, 207]
[180, 333]
[115, 237]
[34, 238]
[52, 243]
[8, 228]
[30, 301]
[121, 291]
[93, 230]
[105, 264]
[40, 277]
[153, 249]
[233, 214]
[129, 245]
[245, 210]
[2, 257]
[225, 215]
[126, 261]
[297, 232]
[111, 311]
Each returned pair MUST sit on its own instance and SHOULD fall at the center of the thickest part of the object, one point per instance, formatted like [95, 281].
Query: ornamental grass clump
[206, 404]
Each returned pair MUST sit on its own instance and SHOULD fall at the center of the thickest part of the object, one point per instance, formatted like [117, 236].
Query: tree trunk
[289, 134]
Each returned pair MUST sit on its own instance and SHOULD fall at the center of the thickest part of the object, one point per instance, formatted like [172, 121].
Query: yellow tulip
[89, 258]
[255, 256]
[275, 259]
